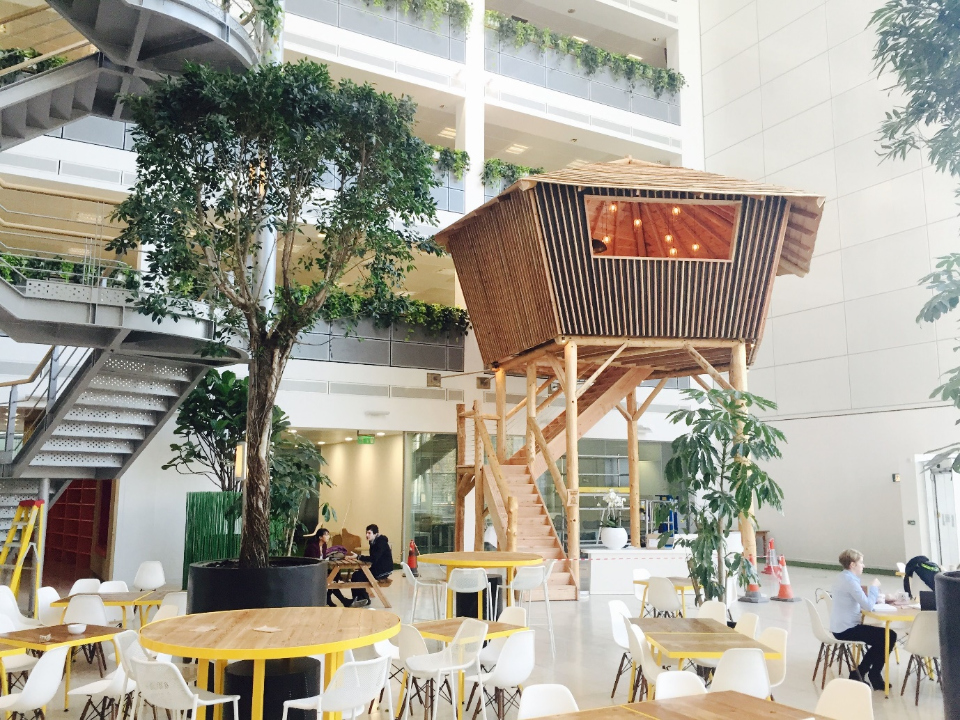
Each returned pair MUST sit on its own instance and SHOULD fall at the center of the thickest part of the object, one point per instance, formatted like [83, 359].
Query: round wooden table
[267, 634]
[494, 559]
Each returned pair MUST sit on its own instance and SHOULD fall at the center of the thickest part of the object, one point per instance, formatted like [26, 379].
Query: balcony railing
[399, 346]
[390, 25]
[559, 71]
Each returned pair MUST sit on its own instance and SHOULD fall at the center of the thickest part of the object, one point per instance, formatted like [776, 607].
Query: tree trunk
[266, 368]
[722, 566]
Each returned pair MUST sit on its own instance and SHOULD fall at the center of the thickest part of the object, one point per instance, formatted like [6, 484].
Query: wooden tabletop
[718, 706]
[155, 597]
[900, 614]
[269, 633]
[481, 559]
[613, 712]
[113, 599]
[681, 625]
[678, 582]
[446, 629]
[59, 636]
[689, 646]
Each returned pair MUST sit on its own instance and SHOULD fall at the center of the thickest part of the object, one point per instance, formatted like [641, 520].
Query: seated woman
[845, 619]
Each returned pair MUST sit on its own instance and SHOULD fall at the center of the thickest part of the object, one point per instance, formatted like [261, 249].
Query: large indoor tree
[259, 194]
[918, 44]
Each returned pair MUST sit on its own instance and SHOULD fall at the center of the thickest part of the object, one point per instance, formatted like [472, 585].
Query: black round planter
[284, 680]
[288, 582]
[948, 599]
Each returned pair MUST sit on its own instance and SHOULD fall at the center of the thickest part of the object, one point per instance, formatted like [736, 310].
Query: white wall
[790, 96]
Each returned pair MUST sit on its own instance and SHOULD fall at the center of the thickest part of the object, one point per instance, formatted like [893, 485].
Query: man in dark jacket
[924, 568]
[381, 565]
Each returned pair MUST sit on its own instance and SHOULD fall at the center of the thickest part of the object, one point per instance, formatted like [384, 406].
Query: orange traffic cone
[771, 562]
[753, 590]
[786, 592]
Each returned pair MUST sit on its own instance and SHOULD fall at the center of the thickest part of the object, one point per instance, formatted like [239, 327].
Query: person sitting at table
[317, 543]
[924, 568]
[849, 599]
[381, 565]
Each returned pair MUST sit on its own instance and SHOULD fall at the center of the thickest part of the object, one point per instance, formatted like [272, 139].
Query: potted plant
[716, 480]
[229, 168]
[612, 533]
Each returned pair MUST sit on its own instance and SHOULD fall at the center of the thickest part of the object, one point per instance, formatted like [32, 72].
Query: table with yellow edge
[121, 600]
[47, 638]
[267, 634]
[899, 614]
[680, 584]
[510, 561]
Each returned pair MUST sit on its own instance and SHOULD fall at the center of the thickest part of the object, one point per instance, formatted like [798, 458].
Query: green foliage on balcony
[452, 161]
[589, 57]
[16, 56]
[496, 170]
[458, 11]
[433, 318]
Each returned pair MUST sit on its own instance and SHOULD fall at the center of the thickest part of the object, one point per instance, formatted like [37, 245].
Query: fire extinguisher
[412, 557]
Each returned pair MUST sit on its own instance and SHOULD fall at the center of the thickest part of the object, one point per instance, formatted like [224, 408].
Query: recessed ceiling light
[381, 434]
[578, 38]
[348, 438]
[516, 149]
[321, 442]
[635, 57]
[695, 247]
[448, 132]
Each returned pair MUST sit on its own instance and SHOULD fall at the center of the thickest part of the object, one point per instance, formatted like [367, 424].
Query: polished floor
[586, 657]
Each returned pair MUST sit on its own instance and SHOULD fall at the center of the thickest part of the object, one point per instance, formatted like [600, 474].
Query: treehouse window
[669, 229]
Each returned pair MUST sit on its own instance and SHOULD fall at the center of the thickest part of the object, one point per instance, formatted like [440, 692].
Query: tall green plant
[715, 478]
[228, 165]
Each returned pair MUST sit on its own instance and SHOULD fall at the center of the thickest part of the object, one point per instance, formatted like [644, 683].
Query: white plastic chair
[640, 591]
[164, 612]
[618, 613]
[514, 615]
[511, 671]
[149, 575]
[10, 608]
[663, 597]
[742, 670]
[114, 614]
[88, 610]
[105, 696]
[828, 645]
[162, 685]
[471, 580]
[776, 639]
[748, 624]
[15, 666]
[713, 610]
[177, 600]
[461, 655]
[410, 644]
[648, 673]
[846, 700]
[41, 685]
[923, 643]
[352, 686]
[545, 700]
[45, 598]
[85, 585]
[679, 683]
[525, 581]
[432, 586]
[385, 649]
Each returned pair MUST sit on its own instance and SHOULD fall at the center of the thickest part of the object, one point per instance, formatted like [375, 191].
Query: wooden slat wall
[500, 261]
[647, 297]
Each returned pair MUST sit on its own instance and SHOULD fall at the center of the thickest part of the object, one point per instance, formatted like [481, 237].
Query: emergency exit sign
[364, 439]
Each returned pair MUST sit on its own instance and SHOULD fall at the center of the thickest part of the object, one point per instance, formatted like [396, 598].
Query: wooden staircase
[535, 530]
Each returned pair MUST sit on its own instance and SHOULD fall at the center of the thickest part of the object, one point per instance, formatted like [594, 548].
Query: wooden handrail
[551, 465]
[34, 375]
[523, 403]
[46, 56]
[492, 460]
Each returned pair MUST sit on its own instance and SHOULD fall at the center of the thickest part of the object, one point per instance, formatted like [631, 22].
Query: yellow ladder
[27, 520]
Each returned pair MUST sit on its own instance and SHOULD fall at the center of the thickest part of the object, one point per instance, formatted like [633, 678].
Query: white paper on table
[884, 608]
[267, 629]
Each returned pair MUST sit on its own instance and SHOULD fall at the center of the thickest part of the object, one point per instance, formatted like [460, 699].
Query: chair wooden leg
[906, 675]
[620, 671]
[816, 667]
[920, 673]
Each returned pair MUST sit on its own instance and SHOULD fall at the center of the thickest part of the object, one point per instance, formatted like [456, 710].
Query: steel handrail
[36, 371]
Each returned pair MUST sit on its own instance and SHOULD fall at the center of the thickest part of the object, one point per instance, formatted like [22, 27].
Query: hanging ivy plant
[458, 11]
[496, 170]
[589, 57]
[435, 319]
[456, 162]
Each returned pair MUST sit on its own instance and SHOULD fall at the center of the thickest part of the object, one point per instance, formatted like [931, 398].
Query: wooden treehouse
[589, 281]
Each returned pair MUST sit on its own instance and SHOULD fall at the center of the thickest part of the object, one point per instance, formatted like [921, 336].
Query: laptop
[928, 600]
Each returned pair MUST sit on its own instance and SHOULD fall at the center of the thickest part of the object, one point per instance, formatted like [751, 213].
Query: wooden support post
[633, 468]
[501, 381]
[459, 529]
[513, 516]
[478, 485]
[573, 460]
[738, 380]
[531, 410]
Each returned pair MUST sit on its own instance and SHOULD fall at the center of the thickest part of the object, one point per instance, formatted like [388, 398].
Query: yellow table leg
[3, 679]
[480, 605]
[403, 689]
[219, 667]
[683, 603]
[203, 674]
[123, 617]
[330, 667]
[886, 659]
[256, 704]
[66, 679]
[509, 601]
[633, 680]
[461, 684]
[449, 594]
[643, 602]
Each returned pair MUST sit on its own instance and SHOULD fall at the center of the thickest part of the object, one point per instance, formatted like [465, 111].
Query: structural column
[573, 459]
[470, 110]
[531, 444]
[501, 382]
[478, 495]
[738, 379]
[633, 468]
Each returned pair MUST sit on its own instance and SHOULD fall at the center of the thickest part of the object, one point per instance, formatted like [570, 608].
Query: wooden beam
[560, 372]
[513, 515]
[700, 382]
[738, 379]
[593, 378]
[527, 357]
[478, 493]
[707, 367]
[573, 461]
[523, 403]
[459, 525]
[591, 341]
[635, 415]
[623, 411]
[501, 381]
[548, 458]
[531, 411]
[633, 467]
[550, 398]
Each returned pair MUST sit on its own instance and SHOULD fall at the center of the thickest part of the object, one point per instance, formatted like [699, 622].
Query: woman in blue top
[845, 619]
